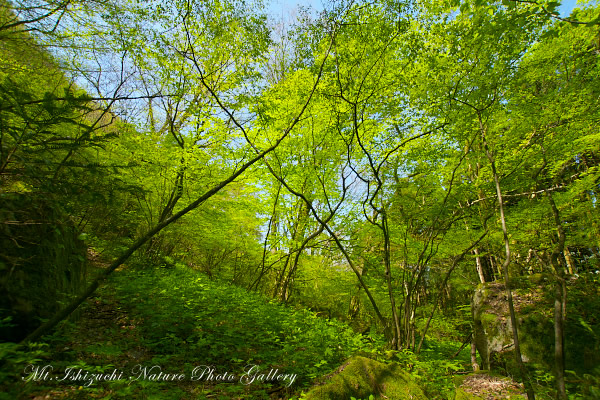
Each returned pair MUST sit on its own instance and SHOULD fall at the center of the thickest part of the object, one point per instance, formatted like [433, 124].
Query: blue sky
[279, 7]
[566, 7]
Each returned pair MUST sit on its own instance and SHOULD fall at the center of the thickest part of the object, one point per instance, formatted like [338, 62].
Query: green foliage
[226, 326]
[433, 369]
[14, 358]
[205, 323]
[122, 113]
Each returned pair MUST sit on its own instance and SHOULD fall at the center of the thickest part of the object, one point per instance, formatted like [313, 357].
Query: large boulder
[492, 324]
[42, 263]
[362, 377]
[533, 301]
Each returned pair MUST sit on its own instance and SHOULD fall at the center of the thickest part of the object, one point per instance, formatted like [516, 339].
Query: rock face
[533, 301]
[493, 328]
[492, 324]
[42, 263]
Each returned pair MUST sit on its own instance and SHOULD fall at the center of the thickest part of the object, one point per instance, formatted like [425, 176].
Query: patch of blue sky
[285, 8]
[566, 7]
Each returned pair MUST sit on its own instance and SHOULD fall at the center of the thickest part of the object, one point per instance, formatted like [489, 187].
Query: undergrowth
[173, 333]
[164, 333]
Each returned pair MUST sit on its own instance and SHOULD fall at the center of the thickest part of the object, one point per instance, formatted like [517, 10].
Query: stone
[44, 263]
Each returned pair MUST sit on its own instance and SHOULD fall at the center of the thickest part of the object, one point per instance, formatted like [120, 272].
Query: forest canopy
[375, 162]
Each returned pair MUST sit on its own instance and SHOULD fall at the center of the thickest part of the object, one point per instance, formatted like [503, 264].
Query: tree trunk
[325, 225]
[448, 273]
[479, 265]
[560, 301]
[68, 309]
[272, 224]
[569, 261]
[559, 338]
[474, 363]
[505, 264]
[396, 345]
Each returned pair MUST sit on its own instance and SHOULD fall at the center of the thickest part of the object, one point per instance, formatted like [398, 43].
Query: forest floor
[492, 387]
[172, 333]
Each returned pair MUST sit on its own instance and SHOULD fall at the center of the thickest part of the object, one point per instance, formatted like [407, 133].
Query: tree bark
[474, 363]
[560, 294]
[569, 260]
[505, 264]
[479, 265]
[388, 278]
[272, 223]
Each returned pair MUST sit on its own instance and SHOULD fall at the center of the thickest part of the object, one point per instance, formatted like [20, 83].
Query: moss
[46, 263]
[462, 395]
[538, 278]
[489, 319]
[361, 377]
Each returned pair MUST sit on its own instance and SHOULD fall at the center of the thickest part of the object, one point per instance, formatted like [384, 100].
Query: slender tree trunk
[560, 300]
[495, 267]
[474, 363]
[396, 345]
[299, 232]
[468, 340]
[559, 335]
[325, 225]
[338, 243]
[569, 261]
[446, 277]
[505, 264]
[277, 293]
[272, 223]
[294, 267]
[479, 265]
[68, 309]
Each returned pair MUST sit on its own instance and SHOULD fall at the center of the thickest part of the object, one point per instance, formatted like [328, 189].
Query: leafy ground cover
[173, 333]
[164, 333]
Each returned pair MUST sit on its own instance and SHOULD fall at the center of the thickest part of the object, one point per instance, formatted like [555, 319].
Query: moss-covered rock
[361, 377]
[42, 263]
[493, 329]
[533, 300]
